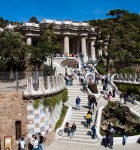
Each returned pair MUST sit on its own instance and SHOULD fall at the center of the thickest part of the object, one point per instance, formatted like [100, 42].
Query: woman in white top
[35, 144]
[22, 144]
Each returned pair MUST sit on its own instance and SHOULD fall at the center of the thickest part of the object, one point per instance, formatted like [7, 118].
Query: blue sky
[76, 10]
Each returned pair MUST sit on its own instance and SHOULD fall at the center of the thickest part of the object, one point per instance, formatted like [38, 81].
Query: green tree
[12, 49]
[33, 20]
[47, 46]
[121, 32]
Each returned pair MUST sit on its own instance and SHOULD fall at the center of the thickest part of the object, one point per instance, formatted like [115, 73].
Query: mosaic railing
[127, 78]
[54, 85]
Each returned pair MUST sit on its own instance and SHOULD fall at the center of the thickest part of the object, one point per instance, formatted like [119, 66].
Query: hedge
[129, 88]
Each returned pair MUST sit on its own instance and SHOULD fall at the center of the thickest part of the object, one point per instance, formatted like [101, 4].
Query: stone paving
[57, 145]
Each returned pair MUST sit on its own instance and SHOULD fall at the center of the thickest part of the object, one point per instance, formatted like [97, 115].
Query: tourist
[84, 86]
[110, 136]
[90, 102]
[22, 144]
[25, 140]
[113, 92]
[67, 80]
[93, 129]
[125, 97]
[71, 80]
[121, 98]
[108, 95]
[94, 101]
[67, 128]
[125, 136]
[88, 119]
[35, 144]
[78, 101]
[41, 141]
[30, 146]
[73, 129]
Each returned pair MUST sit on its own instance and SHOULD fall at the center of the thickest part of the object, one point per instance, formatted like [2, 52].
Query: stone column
[93, 55]
[83, 46]
[29, 41]
[66, 45]
[73, 47]
[100, 51]
[77, 46]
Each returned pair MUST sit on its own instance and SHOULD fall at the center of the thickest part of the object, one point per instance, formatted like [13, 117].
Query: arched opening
[18, 129]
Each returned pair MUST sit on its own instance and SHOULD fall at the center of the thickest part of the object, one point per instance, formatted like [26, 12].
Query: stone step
[79, 142]
[80, 136]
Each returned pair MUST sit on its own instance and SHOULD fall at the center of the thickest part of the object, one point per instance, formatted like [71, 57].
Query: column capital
[93, 38]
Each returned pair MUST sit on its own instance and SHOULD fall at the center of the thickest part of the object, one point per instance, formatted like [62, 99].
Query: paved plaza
[57, 145]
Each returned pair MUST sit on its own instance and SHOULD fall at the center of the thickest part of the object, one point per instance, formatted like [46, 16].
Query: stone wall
[12, 109]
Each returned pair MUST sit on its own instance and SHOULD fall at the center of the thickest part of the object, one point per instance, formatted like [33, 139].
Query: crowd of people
[36, 142]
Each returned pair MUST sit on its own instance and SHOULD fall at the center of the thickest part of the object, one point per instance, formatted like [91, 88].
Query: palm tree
[11, 47]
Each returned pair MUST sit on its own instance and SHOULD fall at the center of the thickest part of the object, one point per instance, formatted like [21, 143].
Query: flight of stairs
[83, 134]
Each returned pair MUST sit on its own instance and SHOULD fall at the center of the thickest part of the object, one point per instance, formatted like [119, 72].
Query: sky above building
[76, 10]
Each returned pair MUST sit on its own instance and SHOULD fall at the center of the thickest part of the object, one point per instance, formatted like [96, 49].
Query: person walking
[41, 141]
[90, 102]
[125, 97]
[121, 98]
[78, 101]
[88, 118]
[93, 129]
[113, 92]
[110, 136]
[84, 86]
[125, 136]
[94, 102]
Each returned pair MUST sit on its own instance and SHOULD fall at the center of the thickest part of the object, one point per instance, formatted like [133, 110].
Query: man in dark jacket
[78, 100]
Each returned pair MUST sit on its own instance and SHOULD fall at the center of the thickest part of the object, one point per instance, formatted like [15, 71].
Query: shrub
[63, 113]
[129, 88]
[65, 95]
[36, 103]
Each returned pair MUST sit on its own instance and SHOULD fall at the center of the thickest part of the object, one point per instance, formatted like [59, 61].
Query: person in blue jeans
[78, 100]
[125, 136]
[41, 141]
[93, 129]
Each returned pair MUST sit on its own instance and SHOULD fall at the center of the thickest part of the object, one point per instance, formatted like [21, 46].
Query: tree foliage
[33, 20]
[121, 33]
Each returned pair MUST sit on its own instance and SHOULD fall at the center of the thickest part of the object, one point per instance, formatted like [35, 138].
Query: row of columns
[83, 47]
[77, 47]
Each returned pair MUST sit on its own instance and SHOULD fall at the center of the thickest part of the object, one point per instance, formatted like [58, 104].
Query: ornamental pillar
[66, 45]
[83, 47]
[93, 55]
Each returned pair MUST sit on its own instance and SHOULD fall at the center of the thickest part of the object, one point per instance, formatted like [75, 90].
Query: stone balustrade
[127, 78]
[52, 85]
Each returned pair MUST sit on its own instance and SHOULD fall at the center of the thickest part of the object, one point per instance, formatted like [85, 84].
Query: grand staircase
[83, 134]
